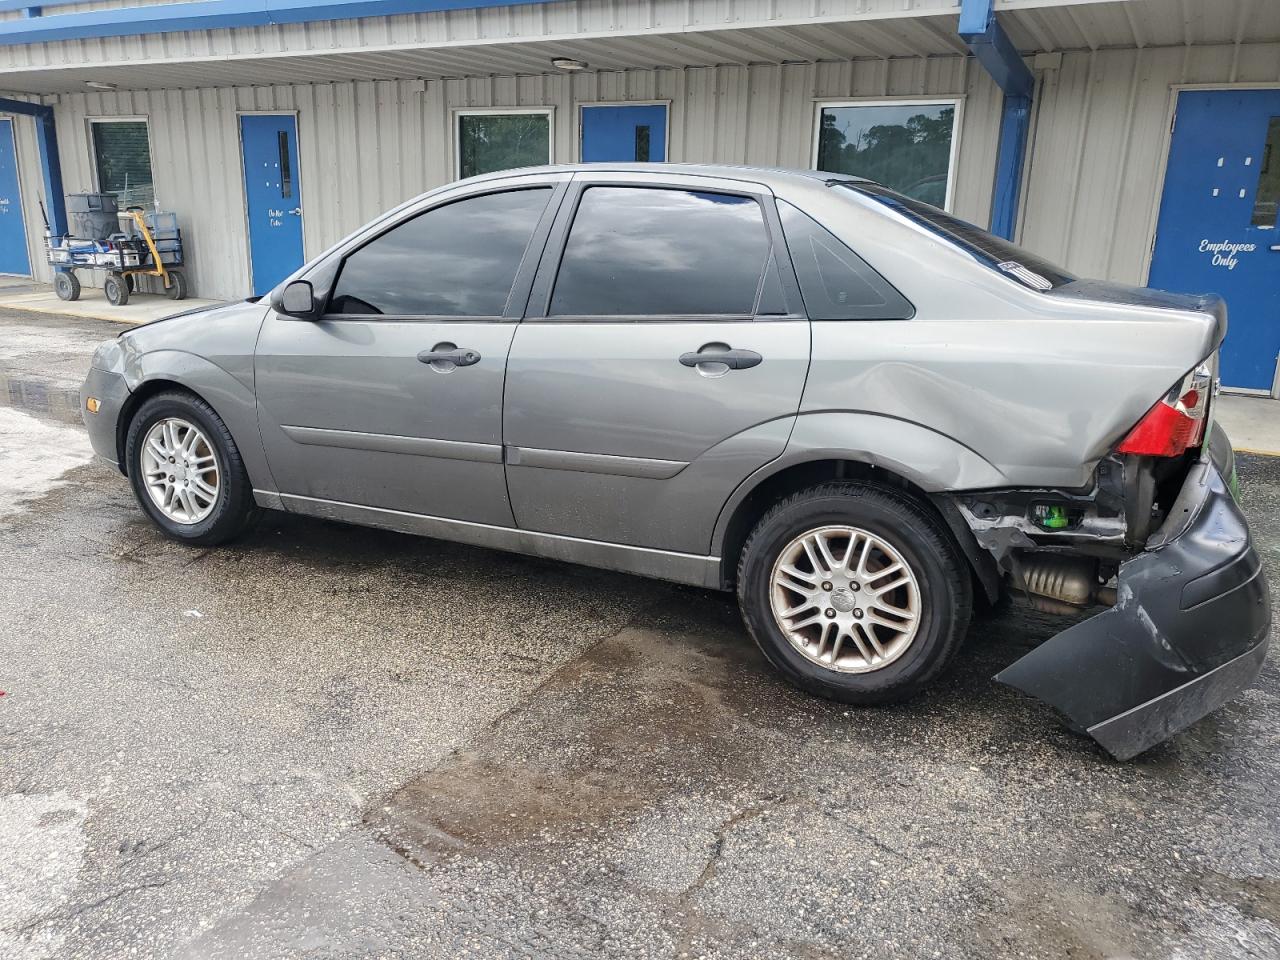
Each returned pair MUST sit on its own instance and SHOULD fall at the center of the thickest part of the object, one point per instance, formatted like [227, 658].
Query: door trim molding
[393, 443]
[700, 571]
[643, 467]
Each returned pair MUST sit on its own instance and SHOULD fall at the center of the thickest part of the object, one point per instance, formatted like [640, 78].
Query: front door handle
[733, 359]
[458, 356]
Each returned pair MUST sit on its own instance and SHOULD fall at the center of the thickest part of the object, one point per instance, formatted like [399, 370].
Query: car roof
[770, 176]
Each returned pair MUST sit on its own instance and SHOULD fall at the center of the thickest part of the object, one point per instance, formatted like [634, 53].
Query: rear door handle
[458, 356]
[733, 359]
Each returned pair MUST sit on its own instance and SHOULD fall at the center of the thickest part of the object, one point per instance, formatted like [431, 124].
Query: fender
[931, 460]
[228, 395]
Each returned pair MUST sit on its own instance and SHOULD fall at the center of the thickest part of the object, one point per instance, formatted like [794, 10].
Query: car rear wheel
[854, 592]
[186, 470]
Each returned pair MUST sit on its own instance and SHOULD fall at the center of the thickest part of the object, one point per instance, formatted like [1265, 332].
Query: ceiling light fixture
[568, 64]
[100, 85]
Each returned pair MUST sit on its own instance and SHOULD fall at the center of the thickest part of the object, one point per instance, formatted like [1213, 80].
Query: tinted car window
[995, 252]
[458, 260]
[835, 282]
[641, 251]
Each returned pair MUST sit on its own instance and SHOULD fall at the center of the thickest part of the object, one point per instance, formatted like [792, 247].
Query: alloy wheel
[845, 598]
[180, 470]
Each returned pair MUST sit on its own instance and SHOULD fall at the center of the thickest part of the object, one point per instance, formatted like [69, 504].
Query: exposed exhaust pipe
[1060, 584]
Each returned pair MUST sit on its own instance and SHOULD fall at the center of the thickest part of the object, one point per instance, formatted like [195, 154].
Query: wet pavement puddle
[40, 397]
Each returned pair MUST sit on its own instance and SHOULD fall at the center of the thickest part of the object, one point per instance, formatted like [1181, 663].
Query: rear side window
[835, 282]
[645, 251]
[459, 260]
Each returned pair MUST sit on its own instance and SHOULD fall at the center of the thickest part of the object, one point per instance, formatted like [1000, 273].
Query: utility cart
[150, 245]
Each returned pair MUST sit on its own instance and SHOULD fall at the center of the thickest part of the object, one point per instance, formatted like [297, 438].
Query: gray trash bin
[92, 216]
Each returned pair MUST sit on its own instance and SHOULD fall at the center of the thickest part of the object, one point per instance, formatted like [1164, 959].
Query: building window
[1267, 197]
[122, 160]
[906, 145]
[489, 140]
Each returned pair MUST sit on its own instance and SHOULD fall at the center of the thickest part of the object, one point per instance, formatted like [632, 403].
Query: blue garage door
[13, 229]
[1217, 230]
[274, 195]
[624, 133]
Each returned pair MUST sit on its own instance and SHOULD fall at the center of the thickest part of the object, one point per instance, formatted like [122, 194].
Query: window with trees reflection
[905, 146]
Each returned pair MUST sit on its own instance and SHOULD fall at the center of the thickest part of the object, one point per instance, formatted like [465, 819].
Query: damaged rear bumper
[1188, 632]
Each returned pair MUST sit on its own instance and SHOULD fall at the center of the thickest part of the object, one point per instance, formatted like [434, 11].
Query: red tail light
[1177, 422]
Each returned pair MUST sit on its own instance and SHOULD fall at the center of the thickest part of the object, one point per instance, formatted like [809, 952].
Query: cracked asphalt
[328, 742]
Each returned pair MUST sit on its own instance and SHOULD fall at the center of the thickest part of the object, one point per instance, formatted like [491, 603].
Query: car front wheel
[854, 592]
[186, 470]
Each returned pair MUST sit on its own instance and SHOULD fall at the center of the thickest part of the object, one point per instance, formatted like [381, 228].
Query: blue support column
[47, 140]
[995, 51]
[1015, 126]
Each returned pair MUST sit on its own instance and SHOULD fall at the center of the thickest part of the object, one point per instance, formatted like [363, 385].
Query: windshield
[1022, 265]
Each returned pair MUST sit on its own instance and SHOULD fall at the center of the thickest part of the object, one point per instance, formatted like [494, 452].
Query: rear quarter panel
[1037, 385]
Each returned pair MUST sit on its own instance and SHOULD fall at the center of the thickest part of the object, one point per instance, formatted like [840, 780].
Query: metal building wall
[1100, 139]
[367, 145]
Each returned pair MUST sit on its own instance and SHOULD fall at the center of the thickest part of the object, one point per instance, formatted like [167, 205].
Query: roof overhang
[433, 39]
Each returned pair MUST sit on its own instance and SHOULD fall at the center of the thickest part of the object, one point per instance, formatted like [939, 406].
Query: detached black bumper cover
[1188, 632]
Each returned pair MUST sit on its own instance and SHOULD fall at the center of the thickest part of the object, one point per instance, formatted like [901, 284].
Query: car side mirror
[298, 299]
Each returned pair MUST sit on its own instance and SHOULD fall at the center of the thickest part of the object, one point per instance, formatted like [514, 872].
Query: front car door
[393, 398]
[661, 360]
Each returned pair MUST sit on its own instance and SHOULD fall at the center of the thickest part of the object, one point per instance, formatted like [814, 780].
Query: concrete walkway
[141, 308]
[1252, 423]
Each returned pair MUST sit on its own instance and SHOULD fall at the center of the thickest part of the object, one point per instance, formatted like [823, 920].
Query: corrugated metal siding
[366, 146]
[1092, 190]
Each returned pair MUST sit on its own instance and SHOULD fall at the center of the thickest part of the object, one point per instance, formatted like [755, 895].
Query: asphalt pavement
[330, 742]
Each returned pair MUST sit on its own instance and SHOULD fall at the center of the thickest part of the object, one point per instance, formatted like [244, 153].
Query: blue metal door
[13, 229]
[1217, 230]
[274, 195]
[635, 132]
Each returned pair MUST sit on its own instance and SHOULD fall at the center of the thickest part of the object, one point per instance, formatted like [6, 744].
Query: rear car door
[660, 362]
[393, 398]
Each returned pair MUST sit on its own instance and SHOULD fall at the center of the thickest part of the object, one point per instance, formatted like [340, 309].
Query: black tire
[177, 289]
[945, 588]
[234, 510]
[116, 289]
[66, 285]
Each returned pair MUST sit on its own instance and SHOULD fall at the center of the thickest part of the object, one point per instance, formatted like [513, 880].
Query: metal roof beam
[983, 34]
[216, 15]
[996, 52]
